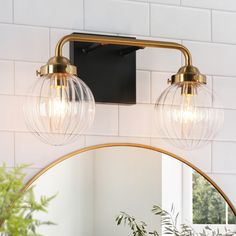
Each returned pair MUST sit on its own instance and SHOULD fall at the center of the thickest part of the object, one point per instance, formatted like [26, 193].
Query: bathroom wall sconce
[60, 106]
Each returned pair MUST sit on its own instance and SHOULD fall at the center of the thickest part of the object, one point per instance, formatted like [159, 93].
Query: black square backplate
[108, 70]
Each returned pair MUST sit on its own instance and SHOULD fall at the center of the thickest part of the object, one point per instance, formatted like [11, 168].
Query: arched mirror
[95, 184]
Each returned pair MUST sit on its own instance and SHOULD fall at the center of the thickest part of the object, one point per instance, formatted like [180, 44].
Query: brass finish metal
[189, 89]
[72, 154]
[188, 74]
[57, 64]
[60, 64]
[123, 41]
[59, 81]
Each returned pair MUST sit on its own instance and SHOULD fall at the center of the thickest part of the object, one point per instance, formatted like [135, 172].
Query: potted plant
[169, 224]
[17, 206]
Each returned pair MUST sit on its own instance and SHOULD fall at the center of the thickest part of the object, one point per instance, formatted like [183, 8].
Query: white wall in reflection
[72, 209]
[125, 180]
[95, 186]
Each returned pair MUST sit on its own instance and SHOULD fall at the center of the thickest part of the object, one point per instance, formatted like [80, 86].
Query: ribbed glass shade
[189, 115]
[58, 108]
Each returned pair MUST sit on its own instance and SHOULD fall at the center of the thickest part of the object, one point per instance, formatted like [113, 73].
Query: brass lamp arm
[60, 64]
[123, 41]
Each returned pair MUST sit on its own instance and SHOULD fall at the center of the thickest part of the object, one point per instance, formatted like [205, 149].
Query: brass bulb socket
[189, 89]
[188, 74]
[57, 64]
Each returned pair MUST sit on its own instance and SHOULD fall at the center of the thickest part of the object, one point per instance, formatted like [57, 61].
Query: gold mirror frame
[74, 153]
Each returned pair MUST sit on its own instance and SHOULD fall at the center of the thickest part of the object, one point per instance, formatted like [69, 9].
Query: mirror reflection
[94, 187]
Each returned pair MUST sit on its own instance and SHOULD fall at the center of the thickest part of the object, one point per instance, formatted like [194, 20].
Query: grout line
[112, 104]
[145, 137]
[157, 3]
[35, 168]
[118, 125]
[14, 78]
[157, 71]
[17, 60]
[212, 89]
[182, 5]
[150, 88]
[53, 27]
[212, 84]
[168, 72]
[135, 2]
[115, 135]
[165, 38]
[206, 172]
[150, 141]
[206, 42]
[211, 27]
[211, 161]
[150, 19]
[221, 173]
[14, 150]
[210, 8]
[152, 103]
[122, 33]
[182, 59]
[13, 11]
[83, 14]
[29, 25]
[215, 140]
[49, 44]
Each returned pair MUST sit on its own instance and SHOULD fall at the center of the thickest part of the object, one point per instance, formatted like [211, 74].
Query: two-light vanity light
[61, 106]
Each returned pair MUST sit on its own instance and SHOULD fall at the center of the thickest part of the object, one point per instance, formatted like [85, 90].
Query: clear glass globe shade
[58, 108]
[188, 115]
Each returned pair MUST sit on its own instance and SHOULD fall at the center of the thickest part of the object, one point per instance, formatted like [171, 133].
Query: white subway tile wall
[29, 149]
[6, 11]
[159, 84]
[49, 13]
[158, 59]
[228, 132]
[25, 76]
[96, 140]
[55, 35]
[27, 43]
[223, 24]
[13, 117]
[7, 148]
[7, 77]
[29, 33]
[105, 121]
[225, 89]
[184, 18]
[226, 181]
[174, 2]
[117, 16]
[143, 86]
[201, 157]
[211, 4]
[226, 150]
[213, 58]
[135, 120]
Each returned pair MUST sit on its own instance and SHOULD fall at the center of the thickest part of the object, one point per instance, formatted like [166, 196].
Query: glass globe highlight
[188, 114]
[58, 108]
